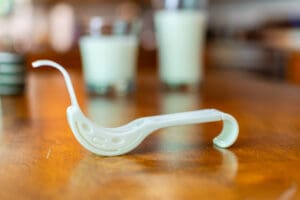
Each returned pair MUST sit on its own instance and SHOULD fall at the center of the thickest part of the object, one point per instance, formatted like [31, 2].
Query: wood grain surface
[40, 158]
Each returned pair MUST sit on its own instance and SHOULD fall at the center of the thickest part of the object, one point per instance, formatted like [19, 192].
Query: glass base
[118, 89]
[185, 87]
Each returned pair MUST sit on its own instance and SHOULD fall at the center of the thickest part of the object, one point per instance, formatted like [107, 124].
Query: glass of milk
[109, 54]
[180, 30]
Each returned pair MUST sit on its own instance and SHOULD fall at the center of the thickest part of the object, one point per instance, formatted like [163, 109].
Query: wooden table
[40, 158]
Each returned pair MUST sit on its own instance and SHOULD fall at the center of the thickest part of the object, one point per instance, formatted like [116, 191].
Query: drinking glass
[109, 54]
[180, 30]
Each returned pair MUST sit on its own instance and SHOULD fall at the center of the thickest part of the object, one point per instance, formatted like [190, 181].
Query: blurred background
[259, 36]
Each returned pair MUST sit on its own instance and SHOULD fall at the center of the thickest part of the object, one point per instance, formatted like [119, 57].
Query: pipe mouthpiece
[40, 63]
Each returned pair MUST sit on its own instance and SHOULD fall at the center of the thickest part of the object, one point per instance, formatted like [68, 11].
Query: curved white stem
[67, 78]
[117, 141]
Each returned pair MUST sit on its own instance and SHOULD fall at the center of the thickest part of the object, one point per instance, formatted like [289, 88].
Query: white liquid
[109, 60]
[180, 39]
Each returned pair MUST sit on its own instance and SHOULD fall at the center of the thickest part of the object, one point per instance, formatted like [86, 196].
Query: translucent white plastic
[120, 140]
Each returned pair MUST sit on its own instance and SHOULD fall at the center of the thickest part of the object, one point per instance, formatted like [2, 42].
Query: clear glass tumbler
[109, 53]
[180, 30]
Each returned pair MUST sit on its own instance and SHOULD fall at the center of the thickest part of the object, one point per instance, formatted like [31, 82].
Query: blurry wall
[27, 25]
[33, 25]
[257, 35]
[252, 13]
